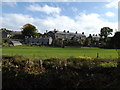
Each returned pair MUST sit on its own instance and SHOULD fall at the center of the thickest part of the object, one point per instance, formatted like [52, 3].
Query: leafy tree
[105, 31]
[29, 30]
[113, 42]
[116, 40]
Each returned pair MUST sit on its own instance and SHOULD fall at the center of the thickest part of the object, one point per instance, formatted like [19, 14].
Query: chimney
[67, 31]
[54, 29]
[76, 32]
[89, 35]
[64, 31]
[83, 33]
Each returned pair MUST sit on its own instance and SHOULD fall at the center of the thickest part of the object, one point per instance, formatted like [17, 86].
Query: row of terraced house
[51, 36]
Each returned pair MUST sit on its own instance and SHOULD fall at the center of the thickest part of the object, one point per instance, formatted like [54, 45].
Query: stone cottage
[56, 35]
[38, 40]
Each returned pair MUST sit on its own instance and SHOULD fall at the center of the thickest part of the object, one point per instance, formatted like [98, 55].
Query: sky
[87, 17]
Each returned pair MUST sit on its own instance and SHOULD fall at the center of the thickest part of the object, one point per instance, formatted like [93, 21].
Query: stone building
[56, 35]
[38, 40]
[5, 35]
[96, 37]
[52, 36]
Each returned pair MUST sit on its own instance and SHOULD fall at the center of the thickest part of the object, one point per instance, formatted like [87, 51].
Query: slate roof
[67, 35]
[16, 43]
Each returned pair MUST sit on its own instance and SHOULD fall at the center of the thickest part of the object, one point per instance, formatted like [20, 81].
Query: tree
[105, 31]
[29, 30]
[116, 40]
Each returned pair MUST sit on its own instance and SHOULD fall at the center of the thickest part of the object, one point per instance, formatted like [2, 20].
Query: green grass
[50, 52]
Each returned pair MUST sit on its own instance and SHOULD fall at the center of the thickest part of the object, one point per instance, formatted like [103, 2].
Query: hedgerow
[74, 72]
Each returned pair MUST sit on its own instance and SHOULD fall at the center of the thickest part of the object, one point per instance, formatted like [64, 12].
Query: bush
[74, 72]
[5, 44]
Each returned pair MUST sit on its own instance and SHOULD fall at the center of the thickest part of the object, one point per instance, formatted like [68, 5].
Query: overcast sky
[88, 17]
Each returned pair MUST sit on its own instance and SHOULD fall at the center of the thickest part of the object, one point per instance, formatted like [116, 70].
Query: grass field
[50, 52]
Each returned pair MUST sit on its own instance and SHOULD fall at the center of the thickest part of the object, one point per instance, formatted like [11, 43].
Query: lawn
[50, 52]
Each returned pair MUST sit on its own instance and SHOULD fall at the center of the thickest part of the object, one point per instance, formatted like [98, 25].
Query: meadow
[56, 52]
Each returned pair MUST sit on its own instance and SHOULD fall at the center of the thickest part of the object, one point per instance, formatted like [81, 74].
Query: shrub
[84, 57]
[80, 72]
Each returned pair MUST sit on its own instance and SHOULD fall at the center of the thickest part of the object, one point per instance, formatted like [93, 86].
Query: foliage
[59, 43]
[73, 43]
[88, 41]
[60, 73]
[116, 40]
[105, 31]
[105, 40]
[108, 64]
[84, 57]
[4, 44]
[29, 30]
[112, 42]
